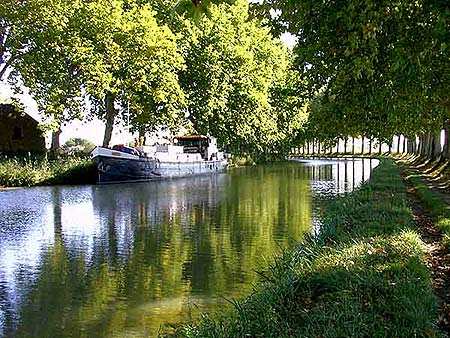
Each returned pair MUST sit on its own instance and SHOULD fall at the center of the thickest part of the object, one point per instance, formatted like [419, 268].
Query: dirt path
[438, 259]
[435, 175]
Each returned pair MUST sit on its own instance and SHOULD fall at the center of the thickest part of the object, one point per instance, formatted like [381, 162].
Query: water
[122, 260]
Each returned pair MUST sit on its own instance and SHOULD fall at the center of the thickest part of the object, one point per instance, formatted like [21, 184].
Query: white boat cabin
[192, 148]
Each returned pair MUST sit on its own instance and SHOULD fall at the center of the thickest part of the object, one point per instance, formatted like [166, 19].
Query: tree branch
[8, 63]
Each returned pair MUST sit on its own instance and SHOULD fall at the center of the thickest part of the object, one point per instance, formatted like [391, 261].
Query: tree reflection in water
[127, 258]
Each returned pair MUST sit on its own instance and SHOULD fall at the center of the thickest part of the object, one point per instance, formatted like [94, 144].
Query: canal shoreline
[366, 274]
[16, 172]
[21, 172]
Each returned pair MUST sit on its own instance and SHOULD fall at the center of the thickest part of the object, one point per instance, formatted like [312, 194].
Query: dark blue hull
[112, 169]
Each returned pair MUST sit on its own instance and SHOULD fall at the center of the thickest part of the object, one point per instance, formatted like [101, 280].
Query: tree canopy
[376, 67]
[373, 68]
[234, 71]
[158, 63]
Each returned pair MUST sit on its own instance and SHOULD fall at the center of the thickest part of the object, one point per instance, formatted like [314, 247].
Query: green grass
[24, 171]
[435, 205]
[364, 275]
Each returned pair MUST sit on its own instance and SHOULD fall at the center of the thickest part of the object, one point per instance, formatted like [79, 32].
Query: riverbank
[26, 172]
[428, 184]
[365, 274]
[430, 181]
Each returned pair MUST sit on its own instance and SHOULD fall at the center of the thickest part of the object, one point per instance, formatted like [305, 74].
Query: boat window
[193, 145]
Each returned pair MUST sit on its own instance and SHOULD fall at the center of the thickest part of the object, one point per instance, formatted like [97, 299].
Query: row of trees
[431, 148]
[205, 66]
[377, 68]
[373, 68]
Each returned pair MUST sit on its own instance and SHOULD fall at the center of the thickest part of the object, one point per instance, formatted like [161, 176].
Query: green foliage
[234, 79]
[364, 275]
[40, 34]
[123, 51]
[70, 51]
[195, 9]
[123, 58]
[19, 172]
[78, 145]
[379, 67]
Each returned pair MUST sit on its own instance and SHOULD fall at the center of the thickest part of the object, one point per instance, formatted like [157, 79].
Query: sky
[91, 130]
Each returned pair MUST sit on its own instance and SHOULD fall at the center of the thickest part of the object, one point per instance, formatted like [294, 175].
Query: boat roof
[192, 137]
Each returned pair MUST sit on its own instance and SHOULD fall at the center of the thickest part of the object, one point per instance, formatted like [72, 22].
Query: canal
[122, 260]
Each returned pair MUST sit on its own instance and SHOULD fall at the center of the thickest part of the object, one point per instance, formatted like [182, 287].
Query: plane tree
[110, 57]
[128, 63]
[233, 68]
[381, 65]
[36, 43]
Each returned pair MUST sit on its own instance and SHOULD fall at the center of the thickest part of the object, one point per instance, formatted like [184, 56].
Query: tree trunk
[404, 144]
[55, 146]
[390, 147]
[370, 146]
[410, 146]
[142, 138]
[446, 150]
[353, 145]
[436, 144]
[379, 147]
[418, 146]
[422, 145]
[362, 145]
[427, 145]
[398, 144]
[345, 144]
[110, 116]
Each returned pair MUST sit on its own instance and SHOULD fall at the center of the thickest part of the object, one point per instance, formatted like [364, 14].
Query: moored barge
[187, 156]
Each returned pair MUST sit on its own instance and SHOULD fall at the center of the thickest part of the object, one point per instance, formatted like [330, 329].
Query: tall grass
[31, 171]
[364, 275]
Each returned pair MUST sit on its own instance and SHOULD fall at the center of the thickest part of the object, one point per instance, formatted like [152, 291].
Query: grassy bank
[363, 276]
[23, 171]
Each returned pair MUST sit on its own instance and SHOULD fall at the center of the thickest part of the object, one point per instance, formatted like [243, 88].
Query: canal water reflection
[121, 260]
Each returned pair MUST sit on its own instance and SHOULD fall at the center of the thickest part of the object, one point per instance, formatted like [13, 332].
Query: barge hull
[115, 170]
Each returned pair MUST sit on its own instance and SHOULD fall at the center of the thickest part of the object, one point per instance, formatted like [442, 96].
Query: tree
[112, 53]
[232, 67]
[78, 145]
[289, 106]
[38, 39]
[128, 61]
[11, 48]
[378, 65]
